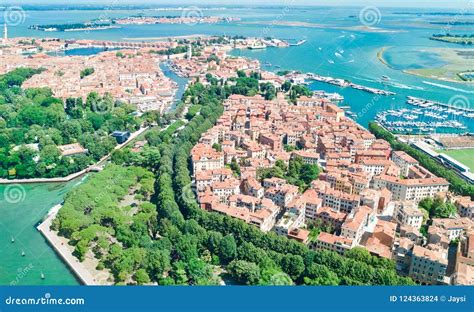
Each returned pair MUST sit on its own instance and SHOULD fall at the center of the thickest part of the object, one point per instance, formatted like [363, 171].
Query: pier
[301, 42]
[347, 84]
[433, 104]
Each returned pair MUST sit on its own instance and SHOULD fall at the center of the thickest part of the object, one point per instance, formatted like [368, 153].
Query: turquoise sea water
[333, 48]
[18, 220]
[19, 217]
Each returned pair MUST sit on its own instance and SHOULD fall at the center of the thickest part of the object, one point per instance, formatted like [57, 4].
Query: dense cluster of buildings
[366, 196]
[133, 76]
[212, 60]
[193, 18]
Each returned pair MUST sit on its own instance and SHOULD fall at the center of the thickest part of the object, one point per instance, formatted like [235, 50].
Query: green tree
[227, 248]
[293, 265]
[234, 166]
[317, 274]
[87, 72]
[244, 272]
[217, 147]
[141, 277]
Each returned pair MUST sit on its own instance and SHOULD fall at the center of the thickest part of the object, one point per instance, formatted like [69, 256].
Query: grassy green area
[435, 73]
[457, 185]
[465, 156]
[193, 110]
[457, 61]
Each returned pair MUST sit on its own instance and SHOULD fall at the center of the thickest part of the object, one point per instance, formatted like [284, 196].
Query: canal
[25, 255]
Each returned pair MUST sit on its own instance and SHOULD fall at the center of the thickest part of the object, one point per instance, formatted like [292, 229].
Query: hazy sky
[462, 4]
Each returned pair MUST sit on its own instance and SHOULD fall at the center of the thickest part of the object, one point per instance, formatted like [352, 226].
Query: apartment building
[465, 207]
[204, 157]
[464, 268]
[408, 213]
[339, 244]
[428, 265]
[404, 161]
[454, 227]
[411, 189]
[355, 223]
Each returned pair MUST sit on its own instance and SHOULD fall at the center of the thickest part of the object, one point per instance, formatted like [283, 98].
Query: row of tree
[110, 216]
[457, 184]
[248, 255]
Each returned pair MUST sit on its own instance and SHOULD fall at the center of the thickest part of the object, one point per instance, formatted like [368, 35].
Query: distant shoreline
[381, 58]
[414, 73]
[91, 28]
[167, 37]
[322, 26]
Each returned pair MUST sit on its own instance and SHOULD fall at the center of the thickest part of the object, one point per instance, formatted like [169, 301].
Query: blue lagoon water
[18, 221]
[336, 46]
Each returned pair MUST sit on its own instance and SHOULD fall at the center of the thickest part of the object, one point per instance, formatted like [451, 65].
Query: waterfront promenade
[62, 248]
[85, 271]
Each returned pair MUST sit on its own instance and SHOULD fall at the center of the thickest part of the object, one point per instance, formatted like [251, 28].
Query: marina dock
[456, 110]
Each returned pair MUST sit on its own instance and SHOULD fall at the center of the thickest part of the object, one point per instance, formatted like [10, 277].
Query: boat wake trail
[447, 87]
[403, 86]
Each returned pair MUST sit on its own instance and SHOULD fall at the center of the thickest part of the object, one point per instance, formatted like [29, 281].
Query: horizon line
[76, 3]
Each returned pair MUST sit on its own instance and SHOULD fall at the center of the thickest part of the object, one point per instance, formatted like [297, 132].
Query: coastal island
[185, 245]
[87, 26]
[103, 24]
[458, 39]
[224, 194]
[455, 68]
[250, 179]
[149, 20]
